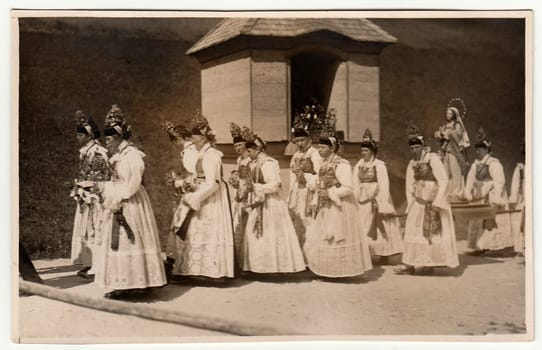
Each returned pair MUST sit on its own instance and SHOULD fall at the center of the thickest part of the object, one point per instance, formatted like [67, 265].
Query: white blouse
[129, 167]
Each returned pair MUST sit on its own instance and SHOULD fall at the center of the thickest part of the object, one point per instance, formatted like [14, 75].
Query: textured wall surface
[270, 94]
[226, 93]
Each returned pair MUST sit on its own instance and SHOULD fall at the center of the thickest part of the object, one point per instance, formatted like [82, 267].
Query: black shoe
[115, 294]
[83, 273]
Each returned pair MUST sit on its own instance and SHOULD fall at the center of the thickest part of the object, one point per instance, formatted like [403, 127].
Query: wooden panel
[339, 97]
[363, 101]
[225, 95]
[269, 95]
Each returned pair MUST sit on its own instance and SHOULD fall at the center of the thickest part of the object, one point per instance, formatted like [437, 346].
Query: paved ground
[485, 295]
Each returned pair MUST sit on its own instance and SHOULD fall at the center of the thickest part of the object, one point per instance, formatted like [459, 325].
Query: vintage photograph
[195, 177]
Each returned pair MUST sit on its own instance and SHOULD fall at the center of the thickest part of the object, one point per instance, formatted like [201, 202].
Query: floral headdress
[200, 126]
[180, 131]
[483, 142]
[309, 120]
[368, 141]
[414, 134]
[237, 133]
[115, 123]
[86, 125]
[252, 139]
[327, 130]
[247, 134]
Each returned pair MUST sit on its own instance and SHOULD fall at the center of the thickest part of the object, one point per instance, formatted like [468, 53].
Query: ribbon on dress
[187, 214]
[377, 223]
[432, 224]
[118, 222]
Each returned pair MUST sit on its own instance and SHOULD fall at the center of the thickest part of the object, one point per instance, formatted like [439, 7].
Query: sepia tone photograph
[212, 176]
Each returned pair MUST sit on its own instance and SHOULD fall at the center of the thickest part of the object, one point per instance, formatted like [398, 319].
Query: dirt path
[485, 295]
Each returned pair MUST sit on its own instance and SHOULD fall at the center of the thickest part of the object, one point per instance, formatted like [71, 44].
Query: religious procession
[336, 220]
[323, 176]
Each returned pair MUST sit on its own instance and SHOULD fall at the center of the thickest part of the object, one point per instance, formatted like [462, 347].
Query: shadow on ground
[296, 277]
[59, 269]
[69, 281]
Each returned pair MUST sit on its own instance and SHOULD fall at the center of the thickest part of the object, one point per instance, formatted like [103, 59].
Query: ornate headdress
[236, 133]
[247, 134]
[327, 131]
[252, 140]
[483, 142]
[200, 126]
[115, 123]
[414, 134]
[300, 127]
[180, 131]
[86, 125]
[309, 120]
[367, 140]
[458, 106]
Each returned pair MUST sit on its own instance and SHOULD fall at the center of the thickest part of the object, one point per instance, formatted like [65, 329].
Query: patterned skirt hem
[425, 254]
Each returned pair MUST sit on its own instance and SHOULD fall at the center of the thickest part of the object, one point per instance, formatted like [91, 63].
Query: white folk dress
[207, 249]
[335, 245]
[429, 230]
[86, 237]
[270, 242]
[486, 184]
[372, 190]
[517, 197]
[129, 260]
[189, 157]
[299, 195]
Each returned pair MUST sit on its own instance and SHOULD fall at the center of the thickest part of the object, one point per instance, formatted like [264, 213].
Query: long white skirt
[136, 264]
[497, 238]
[418, 251]
[208, 249]
[387, 243]
[86, 236]
[298, 199]
[345, 257]
[277, 249]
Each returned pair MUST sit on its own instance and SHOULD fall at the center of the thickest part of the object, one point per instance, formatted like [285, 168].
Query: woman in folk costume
[372, 189]
[429, 231]
[239, 180]
[270, 241]
[486, 184]
[93, 167]
[182, 182]
[336, 245]
[205, 241]
[304, 167]
[454, 141]
[517, 202]
[132, 257]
